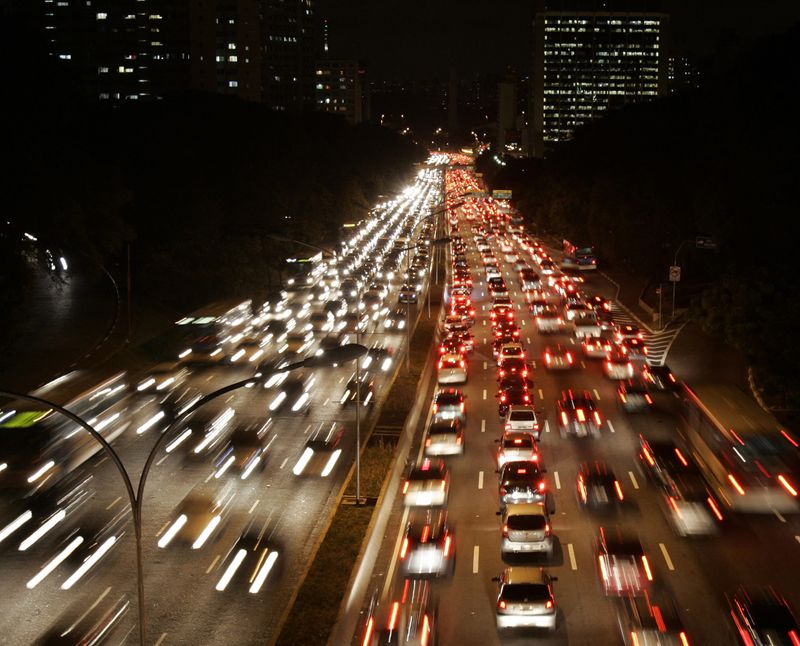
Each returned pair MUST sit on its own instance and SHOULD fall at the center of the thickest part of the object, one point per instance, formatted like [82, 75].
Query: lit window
[233, 83]
[65, 57]
[231, 45]
[233, 59]
[102, 16]
[102, 70]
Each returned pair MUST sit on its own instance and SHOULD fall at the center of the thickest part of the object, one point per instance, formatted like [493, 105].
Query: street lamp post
[342, 354]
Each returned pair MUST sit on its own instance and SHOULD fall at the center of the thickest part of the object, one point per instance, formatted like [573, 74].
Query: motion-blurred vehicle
[246, 450]
[448, 403]
[452, 369]
[516, 446]
[618, 365]
[526, 530]
[652, 620]
[661, 378]
[445, 437]
[633, 396]
[321, 451]
[522, 418]
[428, 547]
[248, 563]
[558, 357]
[762, 617]
[598, 488]
[623, 566]
[578, 414]
[521, 482]
[427, 485]
[364, 388]
[525, 599]
[198, 518]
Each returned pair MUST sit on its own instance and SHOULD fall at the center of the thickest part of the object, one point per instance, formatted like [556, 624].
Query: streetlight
[333, 357]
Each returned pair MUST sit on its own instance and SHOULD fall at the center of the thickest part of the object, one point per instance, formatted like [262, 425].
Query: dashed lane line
[484, 393]
[547, 426]
[611, 427]
[114, 502]
[483, 426]
[633, 480]
[213, 563]
[476, 551]
[480, 479]
[283, 464]
[541, 394]
[666, 557]
[557, 479]
[596, 394]
[161, 639]
[572, 562]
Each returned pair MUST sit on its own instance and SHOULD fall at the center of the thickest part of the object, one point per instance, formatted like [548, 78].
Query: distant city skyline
[416, 40]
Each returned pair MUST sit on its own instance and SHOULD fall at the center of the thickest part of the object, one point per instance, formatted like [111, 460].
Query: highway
[696, 572]
[284, 507]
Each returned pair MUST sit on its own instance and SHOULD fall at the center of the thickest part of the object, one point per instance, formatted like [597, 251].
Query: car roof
[524, 575]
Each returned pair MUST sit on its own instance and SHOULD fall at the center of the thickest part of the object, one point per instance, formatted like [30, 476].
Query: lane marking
[546, 426]
[596, 394]
[483, 426]
[480, 479]
[524, 322]
[485, 365]
[572, 562]
[583, 365]
[528, 339]
[250, 511]
[163, 527]
[210, 475]
[158, 464]
[161, 639]
[475, 559]
[611, 427]
[327, 401]
[778, 514]
[283, 464]
[633, 480]
[558, 480]
[114, 502]
[484, 393]
[213, 563]
[541, 394]
[666, 556]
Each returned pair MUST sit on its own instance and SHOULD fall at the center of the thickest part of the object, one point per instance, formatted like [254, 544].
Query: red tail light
[564, 419]
[618, 488]
[547, 357]
[648, 456]
[368, 632]
[393, 616]
[435, 408]
[508, 427]
[428, 442]
[623, 398]
[501, 604]
[505, 531]
[503, 491]
[541, 486]
[597, 419]
[648, 399]
[461, 363]
[794, 637]
[581, 415]
[549, 604]
[462, 407]
[547, 529]
[714, 508]
[647, 571]
[441, 363]
[443, 484]
[404, 548]
[569, 358]
[503, 397]
[448, 544]
[685, 639]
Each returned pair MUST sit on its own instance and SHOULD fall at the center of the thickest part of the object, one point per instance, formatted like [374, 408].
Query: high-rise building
[682, 74]
[340, 87]
[591, 56]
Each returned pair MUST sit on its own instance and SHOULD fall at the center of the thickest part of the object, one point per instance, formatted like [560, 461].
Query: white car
[452, 369]
[511, 351]
[526, 530]
[516, 446]
[586, 325]
[427, 485]
[549, 320]
[522, 418]
[492, 272]
[445, 437]
[525, 599]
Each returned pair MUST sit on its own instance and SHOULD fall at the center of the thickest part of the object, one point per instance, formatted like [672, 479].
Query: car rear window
[522, 416]
[528, 522]
[518, 442]
[447, 399]
[431, 474]
[525, 592]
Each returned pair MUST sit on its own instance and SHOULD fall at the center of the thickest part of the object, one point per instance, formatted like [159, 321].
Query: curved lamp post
[335, 356]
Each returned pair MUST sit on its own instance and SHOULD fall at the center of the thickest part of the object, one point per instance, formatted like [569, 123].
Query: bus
[40, 446]
[746, 457]
[582, 258]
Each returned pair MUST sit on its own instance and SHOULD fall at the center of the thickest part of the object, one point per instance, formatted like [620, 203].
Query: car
[628, 331]
[465, 311]
[501, 312]
[396, 319]
[652, 619]
[492, 272]
[536, 303]
[622, 564]
[296, 342]
[451, 345]
[549, 320]
[522, 418]
[635, 349]
[597, 347]
[428, 547]
[363, 389]
[522, 481]
[464, 337]
[407, 295]
[529, 280]
[371, 299]
[661, 458]
[249, 562]
[618, 365]
[452, 369]
[575, 308]
[525, 599]
[198, 518]
[454, 323]
[661, 378]
[498, 290]
[448, 403]
[320, 321]
[547, 267]
[512, 392]
[516, 446]
[511, 367]
[162, 379]
[606, 320]
[689, 505]
[245, 451]
[558, 358]
[526, 530]
[321, 451]
[427, 485]
[208, 433]
[586, 325]
[511, 351]
[762, 617]
[502, 300]
[578, 414]
[598, 488]
[445, 437]
[633, 396]
[294, 391]
[598, 303]
[408, 621]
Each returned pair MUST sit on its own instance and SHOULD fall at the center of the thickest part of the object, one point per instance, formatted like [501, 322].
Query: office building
[591, 56]
[340, 88]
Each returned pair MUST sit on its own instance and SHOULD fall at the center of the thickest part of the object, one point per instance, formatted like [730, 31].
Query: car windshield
[525, 592]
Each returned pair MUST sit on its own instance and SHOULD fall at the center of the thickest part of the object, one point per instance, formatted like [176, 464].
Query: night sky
[422, 39]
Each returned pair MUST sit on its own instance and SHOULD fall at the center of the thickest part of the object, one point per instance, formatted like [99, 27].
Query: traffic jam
[513, 308]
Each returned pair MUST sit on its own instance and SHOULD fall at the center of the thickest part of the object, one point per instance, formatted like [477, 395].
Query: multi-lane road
[282, 507]
[696, 572]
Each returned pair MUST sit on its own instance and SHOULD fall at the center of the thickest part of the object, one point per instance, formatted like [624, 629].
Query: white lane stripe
[528, 339]
[116, 500]
[485, 365]
[583, 365]
[213, 563]
[480, 479]
[483, 426]
[611, 427]
[484, 393]
[283, 464]
[778, 514]
[633, 480]
[666, 556]
[250, 511]
[159, 463]
[546, 426]
[475, 559]
[533, 365]
[572, 562]
[161, 639]
[558, 480]
[541, 394]
[596, 394]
